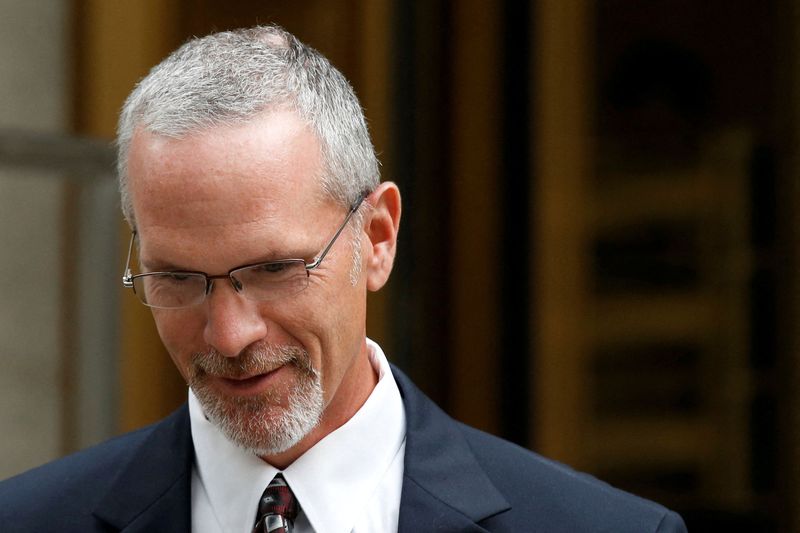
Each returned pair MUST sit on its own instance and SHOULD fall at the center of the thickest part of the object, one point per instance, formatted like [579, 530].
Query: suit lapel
[422, 511]
[152, 493]
[444, 487]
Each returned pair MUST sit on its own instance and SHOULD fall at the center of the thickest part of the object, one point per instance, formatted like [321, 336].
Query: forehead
[224, 182]
[264, 165]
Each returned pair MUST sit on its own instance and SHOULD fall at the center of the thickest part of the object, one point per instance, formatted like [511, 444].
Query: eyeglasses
[259, 282]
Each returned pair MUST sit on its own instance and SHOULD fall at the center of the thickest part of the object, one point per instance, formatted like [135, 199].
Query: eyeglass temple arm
[323, 253]
[127, 277]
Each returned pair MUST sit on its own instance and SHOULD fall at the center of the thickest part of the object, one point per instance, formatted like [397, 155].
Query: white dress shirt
[350, 481]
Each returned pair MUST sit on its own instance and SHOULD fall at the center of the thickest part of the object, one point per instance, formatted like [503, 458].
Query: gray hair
[229, 78]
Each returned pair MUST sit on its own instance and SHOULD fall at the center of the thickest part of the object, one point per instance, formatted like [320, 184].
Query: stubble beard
[268, 423]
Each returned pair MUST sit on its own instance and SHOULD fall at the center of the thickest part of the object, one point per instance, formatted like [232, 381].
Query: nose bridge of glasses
[235, 283]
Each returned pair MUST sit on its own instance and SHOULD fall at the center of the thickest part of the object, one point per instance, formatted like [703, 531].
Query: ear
[383, 221]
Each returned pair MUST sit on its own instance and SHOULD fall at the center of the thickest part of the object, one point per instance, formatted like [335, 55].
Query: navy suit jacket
[456, 478]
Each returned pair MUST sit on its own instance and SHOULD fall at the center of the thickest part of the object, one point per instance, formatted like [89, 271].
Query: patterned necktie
[277, 508]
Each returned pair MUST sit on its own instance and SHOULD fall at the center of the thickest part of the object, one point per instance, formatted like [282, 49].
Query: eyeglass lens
[262, 282]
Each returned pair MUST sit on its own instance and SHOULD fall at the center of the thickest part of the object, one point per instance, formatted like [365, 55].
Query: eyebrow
[161, 266]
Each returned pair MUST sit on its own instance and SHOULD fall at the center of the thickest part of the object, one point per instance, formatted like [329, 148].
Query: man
[258, 225]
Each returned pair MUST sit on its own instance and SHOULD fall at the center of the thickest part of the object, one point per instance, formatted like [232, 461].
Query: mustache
[254, 360]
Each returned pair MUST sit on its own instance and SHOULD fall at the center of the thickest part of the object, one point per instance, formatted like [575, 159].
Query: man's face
[266, 372]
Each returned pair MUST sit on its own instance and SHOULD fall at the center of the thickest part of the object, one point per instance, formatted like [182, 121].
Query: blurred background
[598, 250]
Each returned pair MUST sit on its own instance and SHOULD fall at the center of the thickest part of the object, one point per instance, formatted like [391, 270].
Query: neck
[353, 390]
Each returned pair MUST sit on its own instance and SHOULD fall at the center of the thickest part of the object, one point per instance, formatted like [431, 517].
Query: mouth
[249, 385]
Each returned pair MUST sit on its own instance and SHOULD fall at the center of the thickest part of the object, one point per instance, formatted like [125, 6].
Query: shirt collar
[354, 457]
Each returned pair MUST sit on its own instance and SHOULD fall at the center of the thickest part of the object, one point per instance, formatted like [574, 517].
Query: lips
[243, 381]
[248, 385]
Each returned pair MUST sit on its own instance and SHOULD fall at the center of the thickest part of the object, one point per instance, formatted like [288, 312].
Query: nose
[232, 321]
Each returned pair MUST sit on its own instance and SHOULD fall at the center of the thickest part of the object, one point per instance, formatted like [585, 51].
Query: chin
[259, 423]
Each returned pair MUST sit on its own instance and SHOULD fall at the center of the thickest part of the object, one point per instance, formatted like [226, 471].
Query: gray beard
[260, 424]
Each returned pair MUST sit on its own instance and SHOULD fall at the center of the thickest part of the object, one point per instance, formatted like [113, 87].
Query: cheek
[181, 333]
[310, 323]
[339, 325]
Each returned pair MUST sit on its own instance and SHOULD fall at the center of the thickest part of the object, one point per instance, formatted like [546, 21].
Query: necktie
[277, 508]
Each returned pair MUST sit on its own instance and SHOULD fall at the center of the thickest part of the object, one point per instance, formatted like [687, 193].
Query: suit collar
[443, 481]
[152, 492]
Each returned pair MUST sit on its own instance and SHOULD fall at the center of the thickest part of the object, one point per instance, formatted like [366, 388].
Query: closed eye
[274, 271]
[271, 268]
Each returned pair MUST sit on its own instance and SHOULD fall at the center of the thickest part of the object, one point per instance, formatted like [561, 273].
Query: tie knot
[277, 508]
